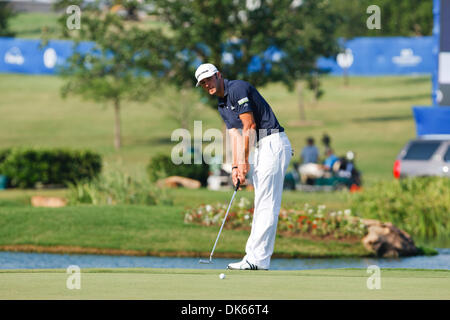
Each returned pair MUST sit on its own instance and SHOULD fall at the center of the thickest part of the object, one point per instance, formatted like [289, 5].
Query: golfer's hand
[235, 177]
[243, 169]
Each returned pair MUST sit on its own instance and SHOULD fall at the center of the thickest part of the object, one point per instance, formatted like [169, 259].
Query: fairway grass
[372, 117]
[190, 284]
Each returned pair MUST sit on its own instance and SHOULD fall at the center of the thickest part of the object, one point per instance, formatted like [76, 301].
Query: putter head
[205, 261]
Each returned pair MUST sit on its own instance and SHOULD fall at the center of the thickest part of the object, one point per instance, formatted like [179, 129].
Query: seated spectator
[310, 171]
[310, 153]
[347, 169]
[330, 159]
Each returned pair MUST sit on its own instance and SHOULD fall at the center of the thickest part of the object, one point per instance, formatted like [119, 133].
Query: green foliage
[119, 65]
[420, 206]
[126, 62]
[117, 188]
[398, 18]
[5, 14]
[204, 30]
[27, 167]
[406, 17]
[162, 166]
[4, 153]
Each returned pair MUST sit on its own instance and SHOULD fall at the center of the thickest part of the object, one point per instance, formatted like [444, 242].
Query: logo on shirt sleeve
[243, 100]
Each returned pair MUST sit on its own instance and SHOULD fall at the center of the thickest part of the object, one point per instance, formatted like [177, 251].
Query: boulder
[177, 181]
[48, 202]
[388, 241]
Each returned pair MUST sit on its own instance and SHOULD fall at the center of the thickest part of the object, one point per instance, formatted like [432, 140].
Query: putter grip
[237, 185]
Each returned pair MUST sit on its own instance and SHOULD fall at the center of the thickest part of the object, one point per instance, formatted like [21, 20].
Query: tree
[260, 41]
[5, 14]
[406, 17]
[125, 63]
[398, 18]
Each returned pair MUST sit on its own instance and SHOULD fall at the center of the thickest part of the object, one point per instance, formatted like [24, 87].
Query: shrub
[3, 155]
[117, 188]
[161, 166]
[26, 168]
[420, 206]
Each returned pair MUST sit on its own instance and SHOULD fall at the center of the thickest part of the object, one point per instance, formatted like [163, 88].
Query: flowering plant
[310, 220]
[240, 215]
[318, 221]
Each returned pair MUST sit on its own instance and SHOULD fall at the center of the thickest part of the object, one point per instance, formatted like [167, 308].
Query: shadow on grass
[384, 118]
[399, 98]
[159, 141]
[416, 80]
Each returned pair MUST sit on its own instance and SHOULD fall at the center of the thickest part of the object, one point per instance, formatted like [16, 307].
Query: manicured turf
[171, 284]
[146, 229]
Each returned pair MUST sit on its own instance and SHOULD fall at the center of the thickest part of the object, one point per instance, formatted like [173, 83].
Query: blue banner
[432, 121]
[368, 56]
[363, 56]
[29, 56]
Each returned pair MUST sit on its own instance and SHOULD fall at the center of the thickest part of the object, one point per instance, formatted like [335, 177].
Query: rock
[177, 181]
[388, 241]
[48, 202]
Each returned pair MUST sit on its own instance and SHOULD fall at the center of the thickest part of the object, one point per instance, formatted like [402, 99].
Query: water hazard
[22, 260]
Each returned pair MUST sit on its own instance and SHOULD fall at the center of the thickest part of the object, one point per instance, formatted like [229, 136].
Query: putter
[223, 223]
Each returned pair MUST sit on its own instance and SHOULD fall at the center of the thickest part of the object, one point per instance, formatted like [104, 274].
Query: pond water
[22, 260]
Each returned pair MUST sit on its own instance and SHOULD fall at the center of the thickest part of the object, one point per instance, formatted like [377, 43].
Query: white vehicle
[423, 157]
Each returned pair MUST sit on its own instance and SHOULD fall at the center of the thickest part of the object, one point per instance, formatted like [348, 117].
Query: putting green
[187, 284]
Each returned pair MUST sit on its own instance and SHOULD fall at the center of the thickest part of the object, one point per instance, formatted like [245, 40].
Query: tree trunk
[117, 133]
[316, 88]
[301, 104]
[345, 73]
[185, 110]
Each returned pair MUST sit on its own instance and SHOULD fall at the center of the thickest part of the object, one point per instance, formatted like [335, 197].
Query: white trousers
[271, 160]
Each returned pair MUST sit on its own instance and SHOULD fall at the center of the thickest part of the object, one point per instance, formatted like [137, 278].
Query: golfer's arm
[240, 144]
[235, 138]
[248, 132]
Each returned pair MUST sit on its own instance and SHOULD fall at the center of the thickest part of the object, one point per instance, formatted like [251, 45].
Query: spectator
[326, 140]
[310, 171]
[310, 153]
[347, 169]
[329, 160]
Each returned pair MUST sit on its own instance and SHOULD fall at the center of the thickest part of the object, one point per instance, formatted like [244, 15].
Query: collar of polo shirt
[225, 87]
[223, 100]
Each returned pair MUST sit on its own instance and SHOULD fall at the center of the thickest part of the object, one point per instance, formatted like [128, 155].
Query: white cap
[205, 70]
[350, 155]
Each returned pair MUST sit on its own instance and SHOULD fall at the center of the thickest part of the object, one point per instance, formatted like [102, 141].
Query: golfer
[251, 121]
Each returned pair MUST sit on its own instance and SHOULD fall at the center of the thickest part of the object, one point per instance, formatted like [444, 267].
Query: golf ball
[222, 276]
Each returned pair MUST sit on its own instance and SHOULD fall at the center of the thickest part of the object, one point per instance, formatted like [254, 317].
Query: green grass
[189, 198]
[35, 24]
[153, 229]
[185, 284]
[372, 117]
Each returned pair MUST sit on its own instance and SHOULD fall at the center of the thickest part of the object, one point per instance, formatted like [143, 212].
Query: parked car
[423, 157]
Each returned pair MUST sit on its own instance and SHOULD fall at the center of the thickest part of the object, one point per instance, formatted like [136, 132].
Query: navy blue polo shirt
[241, 97]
